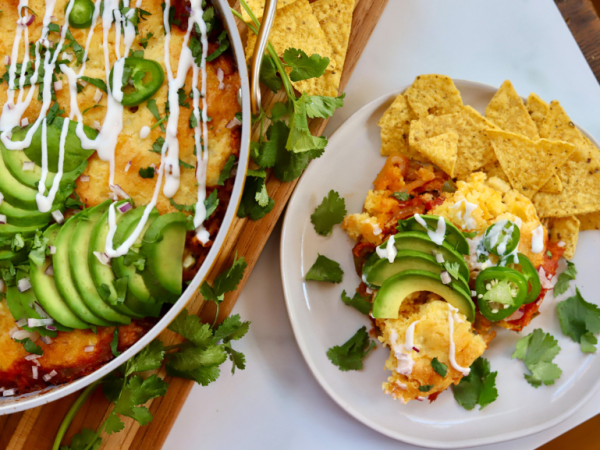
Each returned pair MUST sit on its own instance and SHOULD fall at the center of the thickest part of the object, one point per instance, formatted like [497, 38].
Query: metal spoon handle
[259, 50]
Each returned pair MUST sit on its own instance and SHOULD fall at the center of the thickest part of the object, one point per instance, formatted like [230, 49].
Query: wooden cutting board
[36, 428]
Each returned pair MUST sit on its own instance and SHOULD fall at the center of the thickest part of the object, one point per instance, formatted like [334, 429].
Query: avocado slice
[125, 228]
[417, 241]
[17, 194]
[14, 303]
[8, 231]
[80, 269]
[104, 277]
[46, 292]
[6, 254]
[25, 218]
[407, 260]
[66, 285]
[163, 247]
[74, 153]
[453, 235]
[14, 163]
[398, 287]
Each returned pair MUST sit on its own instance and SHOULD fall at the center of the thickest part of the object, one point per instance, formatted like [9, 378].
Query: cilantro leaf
[439, 367]
[228, 280]
[87, 439]
[191, 357]
[148, 172]
[453, 269]
[279, 110]
[231, 329]
[97, 82]
[211, 203]
[268, 74]
[113, 424]
[253, 203]
[237, 358]
[325, 269]
[182, 97]
[323, 107]
[580, 320]
[537, 350]
[209, 295]
[564, 279]
[330, 212]
[265, 153]
[226, 172]
[202, 375]
[223, 45]
[190, 327]
[37, 254]
[501, 292]
[30, 346]
[144, 41]
[303, 66]
[149, 358]
[358, 302]
[300, 138]
[180, 207]
[479, 387]
[151, 105]
[53, 112]
[290, 165]
[426, 388]
[350, 355]
[115, 343]
[401, 196]
[136, 392]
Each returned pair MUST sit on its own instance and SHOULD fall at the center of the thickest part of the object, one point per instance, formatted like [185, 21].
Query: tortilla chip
[507, 111]
[474, 147]
[590, 221]
[433, 94]
[528, 164]
[565, 229]
[558, 126]
[537, 109]
[395, 126]
[296, 26]
[553, 185]
[494, 169]
[258, 8]
[441, 150]
[335, 18]
[580, 177]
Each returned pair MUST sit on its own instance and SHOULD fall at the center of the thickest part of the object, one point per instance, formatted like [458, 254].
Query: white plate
[320, 320]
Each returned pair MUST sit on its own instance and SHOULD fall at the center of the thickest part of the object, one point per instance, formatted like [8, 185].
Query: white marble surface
[276, 403]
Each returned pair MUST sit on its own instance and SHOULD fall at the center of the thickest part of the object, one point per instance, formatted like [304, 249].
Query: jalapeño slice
[531, 275]
[147, 77]
[82, 13]
[500, 292]
[501, 238]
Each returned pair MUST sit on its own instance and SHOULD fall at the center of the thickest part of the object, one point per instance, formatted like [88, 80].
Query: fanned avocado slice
[14, 163]
[45, 290]
[398, 287]
[8, 231]
[26, 218]
[163, 247]
[381, 270]
[75, 154]
[80, 270]
[127, 225]
[64, 281]
[452, 236]
[104, 278]
[6, 254]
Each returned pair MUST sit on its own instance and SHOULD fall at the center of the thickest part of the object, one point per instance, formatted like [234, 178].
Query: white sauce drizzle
[405, 361]
[390, 250]
[469, 222]
[44, 203]
[144, 132]
[436, 236]
[537, 239]
[452, 352]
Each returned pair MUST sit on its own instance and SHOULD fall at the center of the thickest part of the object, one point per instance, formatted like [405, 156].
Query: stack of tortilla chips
[535, 147]
[321, 27]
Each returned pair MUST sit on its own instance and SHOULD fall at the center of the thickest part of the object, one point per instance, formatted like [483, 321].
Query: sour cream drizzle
[436, 236]
[390, 250]
[44, 203]
[469, 222]
[404, 355]
[452, 352]
[537, 239]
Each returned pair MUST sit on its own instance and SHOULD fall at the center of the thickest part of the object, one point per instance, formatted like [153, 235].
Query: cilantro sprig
[580, 320]
[325, 269]
[564, 279]
[350, 355]
[477, 388]
[358, 302]
[330, 212]
[537, 350]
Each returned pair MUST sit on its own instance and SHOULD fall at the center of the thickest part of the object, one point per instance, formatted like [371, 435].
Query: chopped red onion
[419, 399]
[31, 357]
[98, 95]
[24, 334]
[9, 392]
[28, 166]
[12, 332]
[416, 350]
[24, 122]
[51, 328]
[49, 376]
[46, 340]
[233, 123]
[53, 19]
[52, 249]
[561, 243]
[220, 75]
[153, 166]
[32, 323]
[84, 178]
[118, 191]
[439, 258]
[2, 219]
[26, 20]
[445, 276]
[515, 316]
[41, 311]
[49, 271]
[58, 85]
[58, 216]
[103, 258]
[89, 348]
[97, 125]
[21, 322]
[83, 83]
[127, 167]
[546, 284]
[124, 207]
[1, 389]
[34, 372]
[6, 60]
[23, 284]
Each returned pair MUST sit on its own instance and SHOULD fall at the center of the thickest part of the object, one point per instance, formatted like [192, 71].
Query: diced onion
[98, 95]
[58, 85]
[445, 276]
[24, 334]
[26, 20]
[49, 376]
[2, 219]
[28, 166]
[34, 372]
[49, 271]
[124, 207]
[12, 332]
[127, 167]
[24, 122]
[23, 284]
[516, 315]
[220, 75]
[32, 323]
[233, 123]
[439, 258]
[561, 243]
[53, 19]
[546, 284]
[118, 191]
[41, 311]
[58, 216]
[89, 348]
[52, 249]
[84, 178]
[31, 357]
[46, 340]
[416, 349]
[97, 125]
[21, 322]
[189, 261]
[9, 392]
[103, 258]
[51, 328]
